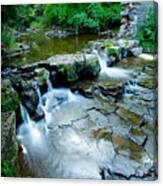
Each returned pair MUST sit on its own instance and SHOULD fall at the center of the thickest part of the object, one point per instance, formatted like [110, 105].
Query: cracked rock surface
[105, 136]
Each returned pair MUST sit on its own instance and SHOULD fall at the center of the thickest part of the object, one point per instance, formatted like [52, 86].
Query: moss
[68, 72]
[136, 132]
[150, 72]
[41, 76]
[113, 51]
[9, 101]
[135, 151]
[108, 44]
[150, 82]
[102, 133]
[131, 117]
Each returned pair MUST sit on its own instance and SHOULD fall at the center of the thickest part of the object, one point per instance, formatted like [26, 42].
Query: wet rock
[103, 105]
[99, 119]
[95, 44]
[114, 53]
[60, 33]
[148, 82]
[151, 147]
[102, 134]
[30, 100]
[15, 52]
[26, 90]
[91, 67]
[134, 119]
[128, 148]
[111, 89]
[137, 136]
[129, 47]
[75, 66]
[9, 146]
[41, 79]
[119, 126]
[136, 51]
[123, 167]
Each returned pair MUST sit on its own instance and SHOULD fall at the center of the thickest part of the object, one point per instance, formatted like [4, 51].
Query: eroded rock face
[109, 126]
[9, 146]
[106, 126]
[133, 16]
[62, 69]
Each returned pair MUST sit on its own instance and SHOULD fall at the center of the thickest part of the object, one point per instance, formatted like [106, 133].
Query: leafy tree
[148, 33]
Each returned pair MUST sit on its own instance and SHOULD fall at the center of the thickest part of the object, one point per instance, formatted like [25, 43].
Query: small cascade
[102, 60]
[131, 87]
[71, 96]
[25, 116]
[29, 128]
[112, 72]
[50, 87]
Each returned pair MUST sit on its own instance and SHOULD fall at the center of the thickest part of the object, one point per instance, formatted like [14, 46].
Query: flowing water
[89, 138]
[113, 72]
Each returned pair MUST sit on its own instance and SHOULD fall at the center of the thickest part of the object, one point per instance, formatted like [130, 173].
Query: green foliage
[113, 51]
[85, 16]
[8, 40]
[107, 44]
[9, 101]
[148, 34]
[7, 170]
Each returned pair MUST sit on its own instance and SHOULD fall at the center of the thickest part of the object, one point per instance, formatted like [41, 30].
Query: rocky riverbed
[85, 121]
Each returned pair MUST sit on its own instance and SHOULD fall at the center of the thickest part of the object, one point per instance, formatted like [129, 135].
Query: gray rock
[9, 146]
[137, 136]
[136, 51]
[124, 167]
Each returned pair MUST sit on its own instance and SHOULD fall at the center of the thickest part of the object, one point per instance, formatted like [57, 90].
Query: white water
[54, 147]
[51, 151]
[50, 87]
[146, 57]
[113, 72]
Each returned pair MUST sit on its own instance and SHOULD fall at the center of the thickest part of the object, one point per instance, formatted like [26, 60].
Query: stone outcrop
[63, 70]
[133, 16]
[9, 146]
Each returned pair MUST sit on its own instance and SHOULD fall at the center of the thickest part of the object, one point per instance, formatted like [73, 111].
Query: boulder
[136, 51]
[114, 53]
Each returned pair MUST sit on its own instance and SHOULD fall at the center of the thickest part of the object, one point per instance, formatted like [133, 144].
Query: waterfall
[132, 88]
[28, 128]
[102, 61]
[113, 72]
[25, 116]
[39, 95]
[50, 87]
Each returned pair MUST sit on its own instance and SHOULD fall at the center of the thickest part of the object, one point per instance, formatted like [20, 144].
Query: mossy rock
[91, 68]
[67, 72]
[108, 44]
[113, 51]
[134, 151]
[41, 76]
[150, 72]
[102, 133]
[131, 117]
[149, 82]
[9, 97]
